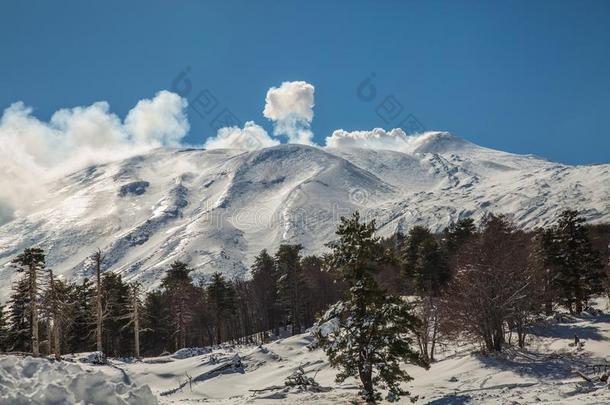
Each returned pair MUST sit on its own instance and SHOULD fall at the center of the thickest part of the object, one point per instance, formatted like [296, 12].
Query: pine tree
[221, 299]
[457, 234]
[57, 310]
[82, 329]
[3, 329]
[424, 261]
[156, 322]
[32, 263]
[19, 319]
[291, 285]
[115, 302]
[580, 270]
[265, 287]
[544, 264]
[321, 288]
[180, 293]
[371, 331]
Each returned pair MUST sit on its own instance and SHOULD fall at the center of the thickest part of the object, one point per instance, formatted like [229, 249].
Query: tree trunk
[99, 315]
[34, 311]
[548, 307]
[136, 319]
[366, 377]
[433, 343]
[136, 332]
[55, 332]
[218, 331]
[521, 335]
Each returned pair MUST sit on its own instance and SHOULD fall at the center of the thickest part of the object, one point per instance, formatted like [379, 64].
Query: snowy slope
[216, 209]
[545, 372]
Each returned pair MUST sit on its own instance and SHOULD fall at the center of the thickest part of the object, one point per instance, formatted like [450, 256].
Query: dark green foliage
[33, 257]
[371, 332]
[291, 284]
[176, 277]
[322, 288]
[543, 262]
[18, 338]
[264, 286]
[579, 272]
[180, 293]
[156, 336]
[424, 261]
[81, 332]
[117, 336]
[3, 329]
[457, 234]
[221, 298]
[516, 274]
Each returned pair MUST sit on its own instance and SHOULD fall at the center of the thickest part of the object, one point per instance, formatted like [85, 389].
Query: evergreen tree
[157, 325]
[291, 285]
[369, 333]
[3, 329]
[457, 234]
[544, 263]
[82, 329]
[265, 288]
[579, 268]
[32, 263]
[221, 298]
[116, 336]
[57, 311]
[424, 262]
[19, 319]
[243, 318]
[321, 288]
[180, 294]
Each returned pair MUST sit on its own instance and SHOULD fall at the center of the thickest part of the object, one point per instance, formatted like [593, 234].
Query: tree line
[47, 315]
[485, 283]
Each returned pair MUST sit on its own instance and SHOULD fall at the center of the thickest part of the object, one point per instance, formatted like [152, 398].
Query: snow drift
[35, 381]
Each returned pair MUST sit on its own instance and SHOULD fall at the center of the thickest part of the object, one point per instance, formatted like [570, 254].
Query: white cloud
[161, 120]
[397, 140]
[290, 107]
[33, 152]
[250, 137]
[378, 138]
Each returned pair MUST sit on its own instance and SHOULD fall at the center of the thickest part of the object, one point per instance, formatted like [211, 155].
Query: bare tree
[491, 287]
[98, 258]
[429, 313]
[134, 314]
[57, 313]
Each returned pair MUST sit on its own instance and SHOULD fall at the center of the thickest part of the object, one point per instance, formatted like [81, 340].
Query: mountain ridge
[215, 209]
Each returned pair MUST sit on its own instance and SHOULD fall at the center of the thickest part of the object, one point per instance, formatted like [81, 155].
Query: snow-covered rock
[93, 358]
[190, 352]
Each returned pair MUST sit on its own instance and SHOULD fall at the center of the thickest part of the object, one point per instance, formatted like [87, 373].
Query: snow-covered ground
[216, 209]
[543, 373]
[36, 381]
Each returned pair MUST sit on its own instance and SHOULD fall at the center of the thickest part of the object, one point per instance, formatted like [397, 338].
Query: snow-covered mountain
[216, 209]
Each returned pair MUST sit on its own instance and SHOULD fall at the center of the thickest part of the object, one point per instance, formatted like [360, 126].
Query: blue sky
[521, 76]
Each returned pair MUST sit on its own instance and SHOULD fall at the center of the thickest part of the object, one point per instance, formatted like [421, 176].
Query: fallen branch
[581, 375]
